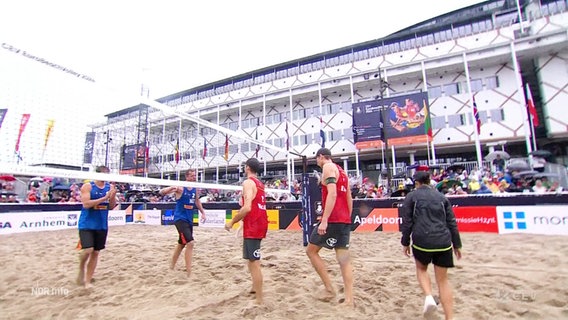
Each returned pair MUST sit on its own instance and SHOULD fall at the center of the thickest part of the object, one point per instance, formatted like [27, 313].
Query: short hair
[253, 164]
[103, 169]
[324, 152]
[422, 177]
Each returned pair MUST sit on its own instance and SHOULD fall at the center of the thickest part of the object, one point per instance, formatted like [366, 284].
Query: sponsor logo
[319, 208]
[167, 218]
[43, 223]
[331, 242]
[554, 220]
[514, 220]
[115, 218]
[6, 224]
[256, 253]
[71, 219]
[377, 220]
[481, 220]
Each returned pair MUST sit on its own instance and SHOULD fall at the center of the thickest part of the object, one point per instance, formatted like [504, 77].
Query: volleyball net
[53, 125]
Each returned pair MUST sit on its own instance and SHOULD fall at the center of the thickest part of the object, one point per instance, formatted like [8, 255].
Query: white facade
[326, 89]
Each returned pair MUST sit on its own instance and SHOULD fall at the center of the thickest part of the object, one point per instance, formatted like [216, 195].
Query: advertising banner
[477, 219]
[547, 220]
[152, 217]
[214, 219]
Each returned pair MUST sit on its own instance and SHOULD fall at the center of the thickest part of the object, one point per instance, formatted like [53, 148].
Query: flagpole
[521, 99]
[425, 83]
[474, 120]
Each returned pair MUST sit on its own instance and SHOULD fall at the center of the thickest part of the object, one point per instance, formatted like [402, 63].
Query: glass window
[335, 108]
[348, 133]
[451, 89]
[277, 118]
[438, 122]
[214, 151]
[455, 120]
[233, 148]
[245, 147]
[491, 82]
[435, 92]
[296, 140]
[497, 115]
[316, 111]
[268, 119]
[476, 85]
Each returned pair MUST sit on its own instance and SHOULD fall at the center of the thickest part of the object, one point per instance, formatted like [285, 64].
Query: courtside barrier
[541, 214]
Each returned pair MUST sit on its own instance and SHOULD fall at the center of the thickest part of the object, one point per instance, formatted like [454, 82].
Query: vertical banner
[406, 118]
[23, 123]
[48, 131]
[89, 144]
[367, 124]
[2, 115]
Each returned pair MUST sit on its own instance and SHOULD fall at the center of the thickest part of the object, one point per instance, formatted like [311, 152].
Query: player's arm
[199, 205]
[329, 180]
[349, 199]
[112, 197]
[249, 192]
[86, 197]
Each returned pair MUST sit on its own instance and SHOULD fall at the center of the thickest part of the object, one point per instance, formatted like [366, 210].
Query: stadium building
[482, 53]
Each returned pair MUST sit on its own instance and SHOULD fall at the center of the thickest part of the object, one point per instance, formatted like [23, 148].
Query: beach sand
[500, 277]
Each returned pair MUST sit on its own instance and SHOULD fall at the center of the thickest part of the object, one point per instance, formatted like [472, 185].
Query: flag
[427, 121]
[147, 151]
[177, 151]
[287, 137]
[322, 134]
[204, 148]
[23, 123]
[226, 147]
[47, 133]
[89, 144]
[476, 116]
[2, 115]
[531, 107]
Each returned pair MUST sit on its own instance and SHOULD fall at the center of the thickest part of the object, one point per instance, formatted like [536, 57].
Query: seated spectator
[473, 185]
[483, 190]
[538, 187]
[503, 187]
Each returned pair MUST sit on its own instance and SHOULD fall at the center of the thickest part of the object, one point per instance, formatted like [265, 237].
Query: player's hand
[322, 228]
[406, 250]
[229, 226]
[203, 218]
[458, 253]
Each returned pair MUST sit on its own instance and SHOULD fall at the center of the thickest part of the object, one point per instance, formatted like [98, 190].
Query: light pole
[382, 87]
[107, 142]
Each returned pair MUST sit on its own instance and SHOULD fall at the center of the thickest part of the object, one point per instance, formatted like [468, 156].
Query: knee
[189, 245]
[88, 251]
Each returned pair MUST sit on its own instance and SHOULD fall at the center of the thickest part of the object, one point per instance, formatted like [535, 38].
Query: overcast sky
[177, 45]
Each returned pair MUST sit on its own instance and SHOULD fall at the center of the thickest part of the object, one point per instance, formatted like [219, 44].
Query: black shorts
[251, 249]
[443, 259]
[336, 236]
[95, 239]
[185, 230]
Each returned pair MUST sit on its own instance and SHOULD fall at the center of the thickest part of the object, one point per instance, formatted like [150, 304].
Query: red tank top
[340, 212]
[255, 222]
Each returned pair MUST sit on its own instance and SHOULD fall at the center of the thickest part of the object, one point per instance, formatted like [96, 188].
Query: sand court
[500, 277]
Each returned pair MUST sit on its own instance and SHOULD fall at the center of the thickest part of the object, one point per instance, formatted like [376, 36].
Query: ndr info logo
[515, 220]
[49, 291]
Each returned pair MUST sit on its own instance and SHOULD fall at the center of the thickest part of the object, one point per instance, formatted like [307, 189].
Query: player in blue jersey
[97, 198]
[187, 202]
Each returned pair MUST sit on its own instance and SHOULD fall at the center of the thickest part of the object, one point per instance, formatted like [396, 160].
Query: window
[170, 157]
[497, 115]
[299, 114]
[435, 92]
[213, 151]
[187, 155]
[268, 119]
[316, 111]
[438, 122]
[451, 89]
[245, 147]
[234, 125]
[348, 133]
[491, 82]
[279, 142]
[277, 118]
[455, 120]
[245, 124]
[335, 108]
[476, 85]
[335, 135]
[233, 148]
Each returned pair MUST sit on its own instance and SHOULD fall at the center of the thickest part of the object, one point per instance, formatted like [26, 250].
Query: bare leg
[424, 281]
[344, 259]
[446, 296]
[188, 256]
[317, 262]
[175, 256]
[91, 265]
[83, 258]
[256, 274]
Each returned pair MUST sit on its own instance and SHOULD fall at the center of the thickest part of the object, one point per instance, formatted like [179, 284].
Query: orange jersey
[255, 223]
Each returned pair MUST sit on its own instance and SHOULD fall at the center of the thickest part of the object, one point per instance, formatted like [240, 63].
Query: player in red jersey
[255, 223]
[335, 227]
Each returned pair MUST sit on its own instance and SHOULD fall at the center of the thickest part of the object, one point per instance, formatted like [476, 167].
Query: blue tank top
[95, 218]
[185, 206]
